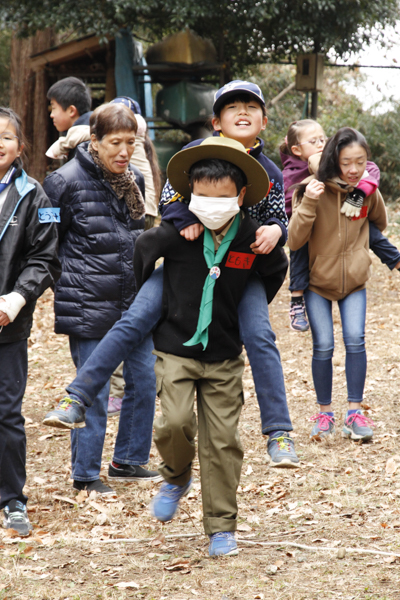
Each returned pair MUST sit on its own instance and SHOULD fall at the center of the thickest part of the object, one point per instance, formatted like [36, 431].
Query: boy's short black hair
[241, 97]
[215, 169]
[71, 91]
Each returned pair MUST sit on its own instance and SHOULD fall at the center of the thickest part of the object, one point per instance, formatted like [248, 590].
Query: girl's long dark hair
[329, 166]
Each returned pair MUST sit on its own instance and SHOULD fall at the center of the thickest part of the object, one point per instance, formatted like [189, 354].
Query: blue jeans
[123, 340]
[132, 446]
[259, 340]
[352, 312]
[144, 314]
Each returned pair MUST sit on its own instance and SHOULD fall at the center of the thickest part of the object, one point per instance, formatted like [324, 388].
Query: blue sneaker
[358, 427]
[165, 504]
[16, 517]
[281, 451]
[69, 414]
[223, 543]
[324, 426]
[298, 316]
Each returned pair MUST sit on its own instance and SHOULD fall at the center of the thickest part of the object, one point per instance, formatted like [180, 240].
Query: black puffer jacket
[97, 241]
[28, 251]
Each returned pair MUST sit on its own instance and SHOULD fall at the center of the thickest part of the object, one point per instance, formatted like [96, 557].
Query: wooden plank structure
[181, 60]
[38, 62]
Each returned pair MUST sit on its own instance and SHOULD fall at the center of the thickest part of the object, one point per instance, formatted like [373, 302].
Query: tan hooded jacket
[338, 247]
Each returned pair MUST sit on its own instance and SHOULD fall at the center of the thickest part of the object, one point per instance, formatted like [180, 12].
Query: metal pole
[304, 114]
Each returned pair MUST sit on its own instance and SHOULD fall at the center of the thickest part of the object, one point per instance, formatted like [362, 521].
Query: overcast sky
[381, 83]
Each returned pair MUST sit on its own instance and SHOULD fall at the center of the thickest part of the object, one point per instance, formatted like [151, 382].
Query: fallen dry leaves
[344, 496]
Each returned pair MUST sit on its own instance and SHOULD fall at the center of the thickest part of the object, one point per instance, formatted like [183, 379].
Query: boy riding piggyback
[240, 114]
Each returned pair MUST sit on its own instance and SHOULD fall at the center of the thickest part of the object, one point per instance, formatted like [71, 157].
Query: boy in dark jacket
[197, 342]
[240, 114]
[28, 266]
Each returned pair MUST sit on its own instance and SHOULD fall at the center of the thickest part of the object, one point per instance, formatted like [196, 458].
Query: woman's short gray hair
[110, 118]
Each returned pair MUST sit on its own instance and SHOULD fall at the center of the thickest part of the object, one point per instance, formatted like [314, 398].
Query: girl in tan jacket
[339, 269]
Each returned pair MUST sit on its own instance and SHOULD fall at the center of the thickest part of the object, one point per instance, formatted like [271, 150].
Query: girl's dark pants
[13, 376]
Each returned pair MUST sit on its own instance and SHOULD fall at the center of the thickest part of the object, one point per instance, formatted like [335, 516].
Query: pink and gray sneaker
[358, 427]
[298, 315]
[324, 426]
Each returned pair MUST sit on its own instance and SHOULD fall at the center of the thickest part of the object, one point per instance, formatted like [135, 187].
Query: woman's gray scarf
[124, 186]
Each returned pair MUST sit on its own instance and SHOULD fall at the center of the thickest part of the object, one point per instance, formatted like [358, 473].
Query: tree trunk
[28, 98]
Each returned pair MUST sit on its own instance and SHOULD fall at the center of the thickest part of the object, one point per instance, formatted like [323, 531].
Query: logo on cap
[238, 86]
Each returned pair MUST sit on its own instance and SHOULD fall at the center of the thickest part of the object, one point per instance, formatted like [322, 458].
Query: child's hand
[267, 237]
[192, 232]
[314, 189]
[4, 320]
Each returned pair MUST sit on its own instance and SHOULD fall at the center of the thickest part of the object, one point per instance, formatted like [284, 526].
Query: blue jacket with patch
[97, 241]
[28, 251]
[268, 211]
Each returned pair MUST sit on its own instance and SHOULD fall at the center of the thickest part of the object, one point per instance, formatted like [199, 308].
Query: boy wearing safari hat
[197, 342]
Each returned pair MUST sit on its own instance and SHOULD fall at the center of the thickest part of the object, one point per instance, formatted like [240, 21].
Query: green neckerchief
[213, 260]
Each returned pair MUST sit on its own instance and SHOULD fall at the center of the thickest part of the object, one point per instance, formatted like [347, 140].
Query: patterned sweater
[267, 212]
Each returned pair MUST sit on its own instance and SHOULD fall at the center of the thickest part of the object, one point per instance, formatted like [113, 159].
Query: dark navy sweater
[185, 271]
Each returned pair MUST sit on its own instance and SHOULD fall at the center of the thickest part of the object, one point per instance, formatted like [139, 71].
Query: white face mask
[214, 212]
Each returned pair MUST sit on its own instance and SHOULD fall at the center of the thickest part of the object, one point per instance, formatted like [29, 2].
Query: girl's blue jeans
[142, 317]
[352, 312]
[132, 446]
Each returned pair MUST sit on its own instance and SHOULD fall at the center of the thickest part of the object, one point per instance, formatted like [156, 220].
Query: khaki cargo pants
[219, 403]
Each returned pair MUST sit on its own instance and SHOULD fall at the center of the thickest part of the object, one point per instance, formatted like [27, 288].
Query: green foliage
[243, 31]
[273, 79]
[5, 55]
[383, 134]
[246, 34]
[336, 108]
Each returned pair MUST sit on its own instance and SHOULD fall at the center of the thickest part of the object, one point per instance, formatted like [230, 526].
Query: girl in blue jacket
[28, 266]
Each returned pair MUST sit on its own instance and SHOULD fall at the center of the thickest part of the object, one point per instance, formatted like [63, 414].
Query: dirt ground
[329, 529]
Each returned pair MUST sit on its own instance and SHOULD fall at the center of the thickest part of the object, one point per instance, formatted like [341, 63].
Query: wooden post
[111, 90]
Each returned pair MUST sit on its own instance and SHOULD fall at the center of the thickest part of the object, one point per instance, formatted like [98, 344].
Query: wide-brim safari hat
[225, 149]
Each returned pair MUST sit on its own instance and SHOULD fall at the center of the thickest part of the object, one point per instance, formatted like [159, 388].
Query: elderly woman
[101, 201]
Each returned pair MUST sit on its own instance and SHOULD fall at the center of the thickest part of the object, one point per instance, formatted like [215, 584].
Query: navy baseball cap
[129, 102]
[234, 88]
